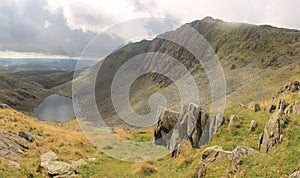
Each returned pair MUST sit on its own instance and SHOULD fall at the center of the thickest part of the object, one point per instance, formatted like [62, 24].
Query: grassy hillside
[69, 143]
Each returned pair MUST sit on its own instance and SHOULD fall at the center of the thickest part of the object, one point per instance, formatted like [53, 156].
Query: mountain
[256, 61]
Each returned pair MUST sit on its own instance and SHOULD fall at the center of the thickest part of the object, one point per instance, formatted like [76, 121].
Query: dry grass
[144, 168]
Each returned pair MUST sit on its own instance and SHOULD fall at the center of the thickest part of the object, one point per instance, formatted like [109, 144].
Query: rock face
[26, 135]
[53, 168]
[272, 133]
[193, 124]
[12, 146]
[253, 125]
[295, 175]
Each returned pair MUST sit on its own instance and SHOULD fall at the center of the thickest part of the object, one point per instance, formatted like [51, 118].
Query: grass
[70, 144]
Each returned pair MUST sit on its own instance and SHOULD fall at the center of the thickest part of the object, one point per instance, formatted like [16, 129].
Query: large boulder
[215, 154]
[12, 147]
[53, 168]
[272, 133]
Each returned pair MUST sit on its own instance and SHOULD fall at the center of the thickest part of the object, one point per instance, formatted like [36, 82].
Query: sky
[63, 28]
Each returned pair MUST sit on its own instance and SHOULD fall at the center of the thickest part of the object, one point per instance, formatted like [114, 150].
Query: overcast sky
[62, 28]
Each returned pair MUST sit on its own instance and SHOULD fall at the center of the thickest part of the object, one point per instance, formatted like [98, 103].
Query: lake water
[55, 108]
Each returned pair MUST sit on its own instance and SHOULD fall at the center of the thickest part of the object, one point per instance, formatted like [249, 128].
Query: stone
[257, 107]
[239, 152]
[12, 147]
[295, 175]
[2, 122]
[53, 168]
[92, 159]
[242, 106]
[166, 121]
[201, 170]
[13, 164]
[213, 124]
[26, 135]
[281, 105]
[215, 154]
[272, 133]
[4, 106]
[253, 125]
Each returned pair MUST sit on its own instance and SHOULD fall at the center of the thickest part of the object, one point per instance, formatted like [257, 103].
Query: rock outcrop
[53, 168]
[193, 124]
[232, 119]
[257, 107]
[216, 154]
[272, 133]
[12, 146]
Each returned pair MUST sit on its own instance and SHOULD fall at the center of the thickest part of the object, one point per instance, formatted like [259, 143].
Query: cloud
[63, 27]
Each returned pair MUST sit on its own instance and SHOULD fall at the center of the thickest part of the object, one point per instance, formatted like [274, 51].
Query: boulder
[12, 147]
[281, 105]
[166, 121]
[215, 154]
[295, 175]
[4, 106]
[257, 107]
[272, 133]
[26, 135]
[2, 122]
[293, 87]
[213, 124]
[53, 168]
[253, 125]
[239, 152]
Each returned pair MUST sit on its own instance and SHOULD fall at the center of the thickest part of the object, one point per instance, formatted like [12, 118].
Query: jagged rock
[12, 146]
[296, 108]
[295, 175]
[76, 164]
[26, 135]
[193, 124]
[281, 105]
[257, 107]
[13, 164]
[4, 106]
[238, 152]
[211, 128]
[166, 121]
[272, 133]
[253, 125]
[232, 118]
[53, 168]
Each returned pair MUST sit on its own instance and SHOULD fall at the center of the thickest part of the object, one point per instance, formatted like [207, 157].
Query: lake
[55, 108]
